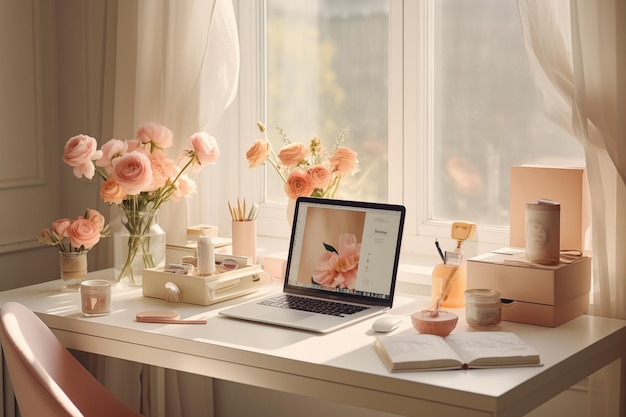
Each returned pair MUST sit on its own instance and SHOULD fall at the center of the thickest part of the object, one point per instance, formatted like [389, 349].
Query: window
[327, 70]
[437, 96]
[486, 113]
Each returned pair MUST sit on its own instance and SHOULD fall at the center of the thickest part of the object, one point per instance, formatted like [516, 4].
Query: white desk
[341, 366]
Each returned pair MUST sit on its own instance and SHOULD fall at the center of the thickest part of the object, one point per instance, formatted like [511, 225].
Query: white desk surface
[341, 366]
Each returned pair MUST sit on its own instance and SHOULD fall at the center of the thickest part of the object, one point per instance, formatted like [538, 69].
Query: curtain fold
[176, 62]
[578, 61]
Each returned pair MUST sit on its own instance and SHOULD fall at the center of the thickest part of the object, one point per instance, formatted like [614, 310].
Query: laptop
[341, 267]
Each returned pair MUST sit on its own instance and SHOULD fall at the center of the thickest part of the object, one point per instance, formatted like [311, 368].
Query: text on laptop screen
[351, 250]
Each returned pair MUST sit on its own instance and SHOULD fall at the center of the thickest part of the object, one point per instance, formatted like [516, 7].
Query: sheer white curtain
[577, 53]
[176, 62]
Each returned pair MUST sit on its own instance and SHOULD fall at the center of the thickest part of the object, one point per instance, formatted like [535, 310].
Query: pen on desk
[237, 212]
[443, 258]
[240, 213]
[233, 215]
[253, 212]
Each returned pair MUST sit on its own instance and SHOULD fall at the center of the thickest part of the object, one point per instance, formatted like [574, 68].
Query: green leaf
[330, 248]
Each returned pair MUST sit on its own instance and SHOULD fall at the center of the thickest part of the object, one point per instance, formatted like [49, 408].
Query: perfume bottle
[206, 255]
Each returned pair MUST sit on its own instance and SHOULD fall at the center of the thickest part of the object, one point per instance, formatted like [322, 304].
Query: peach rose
[96, 218]
[83, 232]
[204, 147]
[344, 161]
[298, 184]
[159, 135]
[185, 187]
[349, 254]
[324, 269]
[133, 172]
[111, 192]
[320, 176]
[111, 150]
[134, 145]
[258, 153]
[338, 269]
[292, 154]
[60, 226]
[79, 152]
[163, 169]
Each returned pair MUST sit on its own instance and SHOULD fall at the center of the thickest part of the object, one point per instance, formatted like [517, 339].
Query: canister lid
[95, 286]
[482, 295]
[543, 204]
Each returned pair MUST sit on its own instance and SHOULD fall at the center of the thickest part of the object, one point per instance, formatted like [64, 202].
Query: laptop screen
[345, 249]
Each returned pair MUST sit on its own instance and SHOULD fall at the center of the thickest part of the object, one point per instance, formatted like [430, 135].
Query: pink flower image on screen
[337, 268]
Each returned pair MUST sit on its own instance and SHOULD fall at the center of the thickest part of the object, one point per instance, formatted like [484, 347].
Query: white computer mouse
[386, 324]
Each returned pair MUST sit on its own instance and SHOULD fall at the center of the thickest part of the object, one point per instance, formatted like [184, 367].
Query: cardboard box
[544, 295]
[276, 264]
[567, 186]
[203, 290]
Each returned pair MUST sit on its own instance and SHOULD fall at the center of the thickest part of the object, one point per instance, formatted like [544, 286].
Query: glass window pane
[487, 116]
[327, 70]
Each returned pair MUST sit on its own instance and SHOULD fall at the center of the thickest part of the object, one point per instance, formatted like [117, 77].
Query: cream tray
[202, 290]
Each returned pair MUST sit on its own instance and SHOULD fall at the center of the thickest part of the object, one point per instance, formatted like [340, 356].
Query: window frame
[410, 126]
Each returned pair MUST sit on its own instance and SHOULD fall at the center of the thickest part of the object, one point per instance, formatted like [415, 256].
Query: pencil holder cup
[449, 283]
[244, 238]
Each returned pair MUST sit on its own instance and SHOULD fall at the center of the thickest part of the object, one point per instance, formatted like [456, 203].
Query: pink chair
[47, 379]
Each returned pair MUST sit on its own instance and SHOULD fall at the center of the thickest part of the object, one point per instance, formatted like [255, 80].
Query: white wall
[47, 96]
[29, 179]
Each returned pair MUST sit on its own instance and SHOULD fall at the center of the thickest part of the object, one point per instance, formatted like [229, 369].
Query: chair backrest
[47, 379]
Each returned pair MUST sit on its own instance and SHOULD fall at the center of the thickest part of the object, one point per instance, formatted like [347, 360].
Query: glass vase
[73, 269]
[138, 244]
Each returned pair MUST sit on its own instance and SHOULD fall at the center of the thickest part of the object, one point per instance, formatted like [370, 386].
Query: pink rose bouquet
[306, 170]
[76, 235]
[337, 268]
[137, 173]
[139, 177]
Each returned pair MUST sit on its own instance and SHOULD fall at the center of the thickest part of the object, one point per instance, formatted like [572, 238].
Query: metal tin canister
[543, 229]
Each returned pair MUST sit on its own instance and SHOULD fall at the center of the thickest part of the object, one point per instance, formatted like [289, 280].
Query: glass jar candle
[483, 308]
[95, 296]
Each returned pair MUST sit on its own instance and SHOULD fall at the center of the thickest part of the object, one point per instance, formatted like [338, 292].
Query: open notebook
[341, 268]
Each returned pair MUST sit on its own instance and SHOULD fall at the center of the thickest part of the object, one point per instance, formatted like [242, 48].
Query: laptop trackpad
[286, 315]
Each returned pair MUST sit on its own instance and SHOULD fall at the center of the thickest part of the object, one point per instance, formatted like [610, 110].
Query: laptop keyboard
[312, 305]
